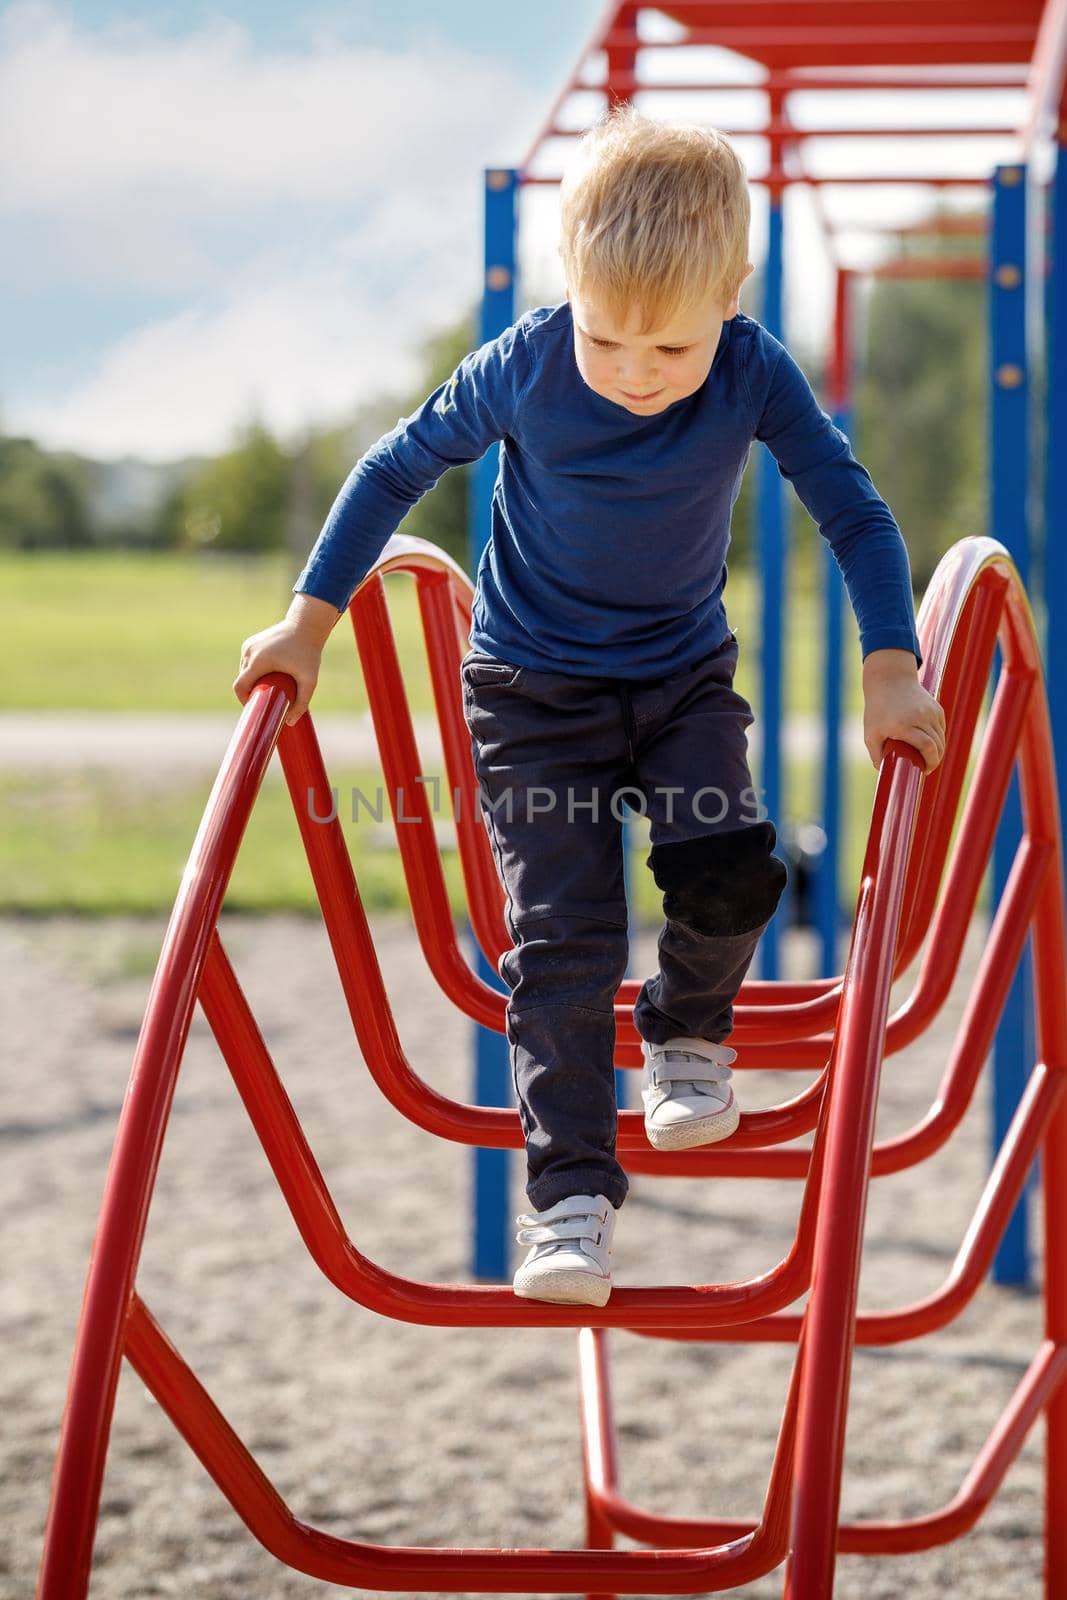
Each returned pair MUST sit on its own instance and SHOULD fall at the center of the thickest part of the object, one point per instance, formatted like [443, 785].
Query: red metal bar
[778, 178]
[356, 1564]
[956, 612]
[812, 79]
[975, 631]
[613, 1511]
[417, 844]
[931, 267]
[815, 1004]
[974, 1258]
[795, 133]
[796, 1016]
[970, 1048]
[692, 12]
[1045, 83]
[1040, 1386]
[131, 1175]
[449, 1305]
[446, 639]
[940, 796]
[746, 1154]
[830, 1316]
[938, 227]
[1015, 40]
[573, 83]
[882, 10]
[1044, 906]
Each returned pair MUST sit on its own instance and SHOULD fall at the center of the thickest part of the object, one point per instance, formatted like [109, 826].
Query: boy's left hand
[896, 706]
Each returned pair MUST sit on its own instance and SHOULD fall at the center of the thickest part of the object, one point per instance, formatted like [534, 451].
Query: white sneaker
[686, 1090]
[571, 1257]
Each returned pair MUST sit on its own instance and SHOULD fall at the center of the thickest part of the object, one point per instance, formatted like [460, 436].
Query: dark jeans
[558, 758]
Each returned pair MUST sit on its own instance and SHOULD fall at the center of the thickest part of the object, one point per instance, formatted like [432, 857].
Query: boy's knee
[722, 883]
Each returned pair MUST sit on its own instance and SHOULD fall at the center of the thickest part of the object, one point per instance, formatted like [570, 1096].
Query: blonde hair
[653, 216]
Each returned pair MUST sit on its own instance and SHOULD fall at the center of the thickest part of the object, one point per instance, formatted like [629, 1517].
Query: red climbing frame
[839, 1028]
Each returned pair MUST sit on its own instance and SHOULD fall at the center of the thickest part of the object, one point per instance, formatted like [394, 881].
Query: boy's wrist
[883, 666]
[314, 618]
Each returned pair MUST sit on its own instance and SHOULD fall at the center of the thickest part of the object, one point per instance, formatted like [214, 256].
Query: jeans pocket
[485, 672]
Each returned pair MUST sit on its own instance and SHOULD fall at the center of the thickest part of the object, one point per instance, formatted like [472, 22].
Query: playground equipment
[915, 895]
[945, 61]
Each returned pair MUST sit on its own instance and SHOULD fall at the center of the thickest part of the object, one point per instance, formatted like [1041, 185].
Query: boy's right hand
[295, 646]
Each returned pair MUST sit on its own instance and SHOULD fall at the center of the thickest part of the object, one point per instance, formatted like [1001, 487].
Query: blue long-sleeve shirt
[610, 530]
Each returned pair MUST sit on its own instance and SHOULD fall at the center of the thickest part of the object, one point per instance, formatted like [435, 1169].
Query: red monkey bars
[840, 1028]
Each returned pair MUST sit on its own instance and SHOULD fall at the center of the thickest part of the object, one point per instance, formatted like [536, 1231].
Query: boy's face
[645, 373]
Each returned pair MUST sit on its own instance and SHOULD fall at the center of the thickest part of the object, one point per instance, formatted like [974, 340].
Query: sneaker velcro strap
[572, 1205]
[706, 1048]
[688, 1068]
[568, 1228]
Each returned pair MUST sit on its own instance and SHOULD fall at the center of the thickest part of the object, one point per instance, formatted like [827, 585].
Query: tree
[43, 499]
[922, 410]
[443, 513]
[239, 501]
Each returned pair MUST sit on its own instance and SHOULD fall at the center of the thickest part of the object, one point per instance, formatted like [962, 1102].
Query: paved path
[173, 742]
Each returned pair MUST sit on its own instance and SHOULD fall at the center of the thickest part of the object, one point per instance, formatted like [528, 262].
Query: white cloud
[318, 213]
[91, 119]
[314, 214]
[289, 349]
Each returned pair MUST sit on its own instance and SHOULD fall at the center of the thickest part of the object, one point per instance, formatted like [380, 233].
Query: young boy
[602, 664]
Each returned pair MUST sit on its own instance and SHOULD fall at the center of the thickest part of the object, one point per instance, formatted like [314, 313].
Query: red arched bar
[975, 588]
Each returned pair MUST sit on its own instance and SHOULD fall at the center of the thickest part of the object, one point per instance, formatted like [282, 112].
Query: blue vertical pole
[619, 89]
[828, 875]
[1054, 586]
[827, 878]
[1054, 576]
[628, 877]
[771, 512]
[1009, 458]
[492, 1067]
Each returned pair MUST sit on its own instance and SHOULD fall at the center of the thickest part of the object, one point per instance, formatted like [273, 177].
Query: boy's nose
[635, 376]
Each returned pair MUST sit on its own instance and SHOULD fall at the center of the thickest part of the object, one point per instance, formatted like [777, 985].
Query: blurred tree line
[919, 426]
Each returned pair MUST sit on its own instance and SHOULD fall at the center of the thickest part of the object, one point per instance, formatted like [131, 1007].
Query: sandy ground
[401, 1434]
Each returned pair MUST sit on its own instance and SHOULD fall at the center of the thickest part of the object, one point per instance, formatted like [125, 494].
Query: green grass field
[108, 631]
[119, 632]
[92, 843]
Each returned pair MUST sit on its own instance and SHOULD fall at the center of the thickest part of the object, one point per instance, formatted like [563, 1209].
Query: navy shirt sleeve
[836, 489]
[455, 424]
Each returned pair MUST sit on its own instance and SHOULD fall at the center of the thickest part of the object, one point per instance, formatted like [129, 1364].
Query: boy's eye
[668, 350]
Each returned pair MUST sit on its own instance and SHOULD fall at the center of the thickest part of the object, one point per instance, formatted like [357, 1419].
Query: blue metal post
[827, 878]
[1054, 576]
[1054, 586]
[628, 828]
[771, 511]
[619, 88]
[492, 1072]
[1009, 458]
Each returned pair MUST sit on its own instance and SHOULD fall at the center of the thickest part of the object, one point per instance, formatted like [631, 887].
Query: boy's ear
[735, 304]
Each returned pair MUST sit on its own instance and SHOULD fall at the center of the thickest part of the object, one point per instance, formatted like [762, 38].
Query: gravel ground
[408, 1435]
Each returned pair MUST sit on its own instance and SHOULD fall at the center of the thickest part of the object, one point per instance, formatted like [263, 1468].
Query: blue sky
[219, 211]
[555, 29]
